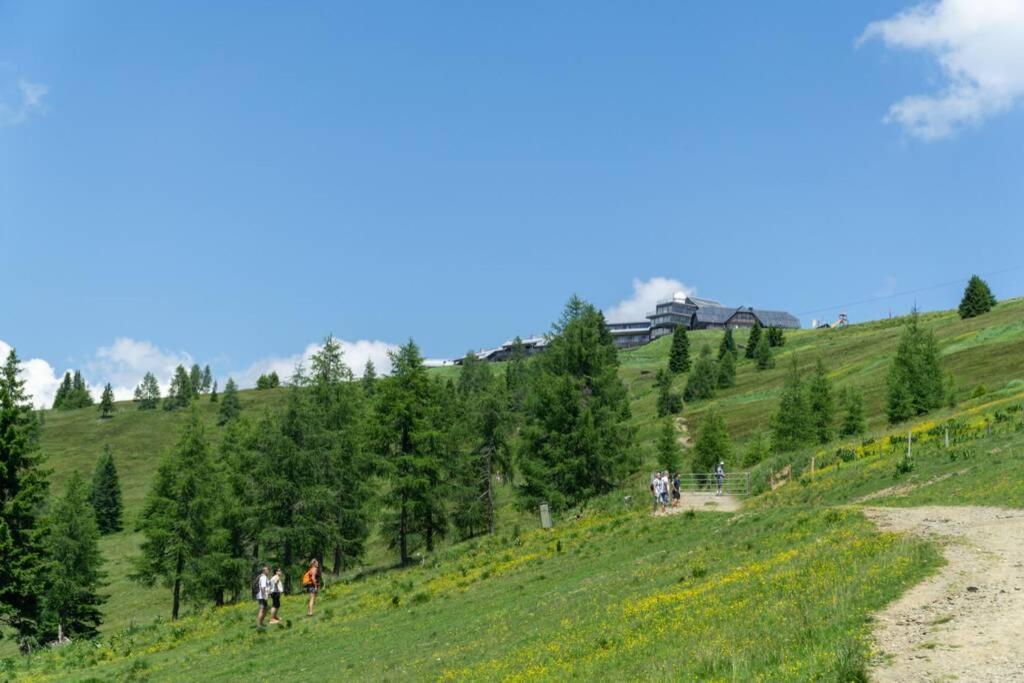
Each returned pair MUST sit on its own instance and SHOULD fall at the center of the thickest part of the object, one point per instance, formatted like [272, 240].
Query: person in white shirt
[276, 589]
[262, 594]
[654, 491]
[665, 488]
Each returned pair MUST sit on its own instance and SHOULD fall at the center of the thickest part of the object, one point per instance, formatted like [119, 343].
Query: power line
[906, 293]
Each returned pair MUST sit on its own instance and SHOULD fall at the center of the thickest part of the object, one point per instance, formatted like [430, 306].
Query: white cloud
[355, 355]
[126, 361]
[41, 381]
[979, 45]
[645, 295]
[28, 100]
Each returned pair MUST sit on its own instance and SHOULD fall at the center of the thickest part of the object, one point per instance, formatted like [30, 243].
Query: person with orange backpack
[312, 582]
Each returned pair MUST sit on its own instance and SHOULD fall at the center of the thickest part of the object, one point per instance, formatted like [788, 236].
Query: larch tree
[207, 380]
[147, 394]
[668, 448]
[713, 444]
[105, 494]
[853, 423]
[230, 405]
[915, 381]
[180, 393]
[107, 402]
[703, 378]
[791, 424]
[195, 379]
[820, 404]
[369, 378]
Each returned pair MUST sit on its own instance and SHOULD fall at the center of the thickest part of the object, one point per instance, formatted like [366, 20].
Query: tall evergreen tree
[72, 600]
[475, 376]
[491, 453]
[516, 377]
[776, 336]
[195, 379]
[728, 344]
[853, 423]
[105, 494]
[915, 381]
[727, 370]
[179, 394]
[753, 339]
[107, 402]
[207, 380]
[669, 402]
[763, 353]
[63, 393]
[177, 519]
[147, 394]
[669, 451]
[791, 424]
[23, 488]
[679, 355]
[230, 405]
[703, 378]
[369, 379]
[576, 442]
[977, 299]
[820, 404]
[213, 393]
[712, 445]
[80, 396]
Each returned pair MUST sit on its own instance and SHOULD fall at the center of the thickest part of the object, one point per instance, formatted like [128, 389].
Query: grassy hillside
[611, 591]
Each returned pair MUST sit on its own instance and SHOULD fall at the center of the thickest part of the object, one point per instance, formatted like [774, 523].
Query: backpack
[256, 587]
[307, 579]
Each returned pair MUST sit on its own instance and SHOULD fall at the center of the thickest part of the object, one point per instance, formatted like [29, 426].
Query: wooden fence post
[910, 439]
[947, 436]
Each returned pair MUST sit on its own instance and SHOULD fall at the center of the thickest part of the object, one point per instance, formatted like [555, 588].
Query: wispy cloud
[646, 293]
[25, 101]
[978, 44]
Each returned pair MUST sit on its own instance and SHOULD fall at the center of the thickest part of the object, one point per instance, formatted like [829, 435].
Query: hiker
[312, 581]
[655, 480]
[261, 591]
[677, 493]
[276, 589]
[665, 487]
[720, 476]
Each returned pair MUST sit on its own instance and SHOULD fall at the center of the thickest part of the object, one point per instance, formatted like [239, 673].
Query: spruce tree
[753, 339]
[775, 336]
[977, 299]
[180, 393]
[80, 396]
[369, 378]
[727, 370]
[105, 495]
[475, 375]
[763, 353]
[791, 424]
[516, 377]
[213, 392]
[728, 344]
[679, 355]
[107, 402]
[63, 394]
[177, 519]
[915, 380]
[713, 444]
[820, 404]
[195, 379]
[72, 600]
[669, 402]
[669, 451]
[207, 380]
[230, 405]
[853, 423]
[576, 442]
[703, 378]
[147, 394]
[23, 489]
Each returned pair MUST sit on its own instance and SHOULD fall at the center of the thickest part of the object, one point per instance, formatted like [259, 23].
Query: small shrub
[846, 454]
[904, 466]
[396, 600]
[979, 391]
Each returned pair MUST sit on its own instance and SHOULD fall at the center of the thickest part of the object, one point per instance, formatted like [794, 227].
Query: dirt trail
[706, 502]
[965, 623]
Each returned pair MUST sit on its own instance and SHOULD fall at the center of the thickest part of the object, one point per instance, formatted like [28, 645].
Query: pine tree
[703, 378]
[475, 375]
[853, 423]
[80, 396]
[107, 402]
[820, 404]
[775, 336]
[230, 405]
[679, 356]
[753, 339]
[728, 344]
[576, 442]
[763, 353]
[492, 453]
[177, 519]
[72, 600]
[23, 489]
[977, 299]
[669, 402]
[105, 494]
[712, 445]
[207, 380]
[516, 377]
[791, 424]
[213, 392]
[915, 381]
[669, 452]
[195, 379]
[147, 394]
[179, 394]
[63, 393]
[369, 379]
[727, 370]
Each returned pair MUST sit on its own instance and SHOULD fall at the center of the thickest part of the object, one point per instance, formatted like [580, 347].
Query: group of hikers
[662, 486]
[268, 588]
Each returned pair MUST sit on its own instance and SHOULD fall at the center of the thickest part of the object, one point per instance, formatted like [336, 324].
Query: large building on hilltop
[707, 314]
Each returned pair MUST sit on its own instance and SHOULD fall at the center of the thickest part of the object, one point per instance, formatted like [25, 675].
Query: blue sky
[228, 183]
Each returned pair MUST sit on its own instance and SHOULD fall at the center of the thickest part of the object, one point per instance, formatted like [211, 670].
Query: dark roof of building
[714, 315]
[697, 301]
[777, 318]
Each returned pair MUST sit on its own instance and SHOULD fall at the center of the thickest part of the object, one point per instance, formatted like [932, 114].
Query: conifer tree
[712, 445]
[107, 402]
[763, 353]
[669, 402]
[273, 379]
[105, 494]
[213, 392]
[669, 452]
[516, 378]
[576, 442]
[80, 396]
[727, 370]
[179, 394]
[230, 405]
[753, 339]
[977, 299]
[728, 344]
[369, 379]
[491, 453]
[853, 423]
[820, 404]
[207, 380]
[72, 600]
[679, 355]
[63, 393]
[915, 381]
[195, 379]
[791, 424]
[703, 379]
[23, 489]
[177, 519]
[775, 336]
[475, 375]
[147, 394]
